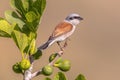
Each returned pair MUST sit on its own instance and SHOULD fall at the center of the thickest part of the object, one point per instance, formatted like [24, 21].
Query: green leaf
[32, 35]
[20, 39]
[18, 5]
[26, 4]
[12, 17]
[5, 28]
[47, 78]
[38, 8]
[31, 16]
[59, 76]
[40, 5]
[16, 27]
[32, 46]
[80, 77]
[31, 43]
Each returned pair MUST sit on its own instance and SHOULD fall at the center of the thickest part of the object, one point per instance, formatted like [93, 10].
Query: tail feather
[44, 46]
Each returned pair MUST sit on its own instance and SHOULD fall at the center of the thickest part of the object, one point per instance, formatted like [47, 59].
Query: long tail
[45, 45]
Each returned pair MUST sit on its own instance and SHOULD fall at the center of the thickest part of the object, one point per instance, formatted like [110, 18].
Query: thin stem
[51, 64]
[23, 55]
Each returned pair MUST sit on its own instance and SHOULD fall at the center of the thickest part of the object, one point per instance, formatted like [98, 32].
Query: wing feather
[61, 29]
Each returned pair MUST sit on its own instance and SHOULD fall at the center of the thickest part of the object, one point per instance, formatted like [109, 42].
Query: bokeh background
[94, 49]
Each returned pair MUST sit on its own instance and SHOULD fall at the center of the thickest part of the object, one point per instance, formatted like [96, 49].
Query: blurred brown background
[94, 49]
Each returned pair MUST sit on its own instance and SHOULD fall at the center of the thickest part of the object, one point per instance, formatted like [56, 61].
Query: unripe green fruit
[16, 68]
[37, 55]
[47, 70]
[64, 65]
[59, 60]
[52, 57]
[25, 64]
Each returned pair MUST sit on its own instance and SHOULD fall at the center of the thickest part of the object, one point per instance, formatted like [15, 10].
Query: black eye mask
[77, 17]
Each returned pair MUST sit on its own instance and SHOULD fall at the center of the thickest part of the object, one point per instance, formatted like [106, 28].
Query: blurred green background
[94, 48]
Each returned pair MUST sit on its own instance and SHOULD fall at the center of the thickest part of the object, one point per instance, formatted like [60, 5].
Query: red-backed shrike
[63, 30]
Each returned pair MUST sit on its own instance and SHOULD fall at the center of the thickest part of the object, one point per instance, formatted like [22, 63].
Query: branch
[51, 64]
[28, 75]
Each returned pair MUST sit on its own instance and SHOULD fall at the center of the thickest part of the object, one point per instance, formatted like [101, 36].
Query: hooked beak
[80, 18]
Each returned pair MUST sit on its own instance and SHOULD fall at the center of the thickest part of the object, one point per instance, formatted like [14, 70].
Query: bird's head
[74, 19]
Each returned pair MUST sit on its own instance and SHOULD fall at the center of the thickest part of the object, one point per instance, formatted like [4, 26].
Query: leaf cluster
[21, 24]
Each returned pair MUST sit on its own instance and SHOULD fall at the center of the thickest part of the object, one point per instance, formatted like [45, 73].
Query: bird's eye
[70, 18]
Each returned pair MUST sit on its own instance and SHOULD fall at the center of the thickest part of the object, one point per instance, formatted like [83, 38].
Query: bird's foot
[60, 53]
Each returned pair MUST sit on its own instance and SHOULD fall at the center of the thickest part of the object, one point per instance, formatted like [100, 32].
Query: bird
[63, 31]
